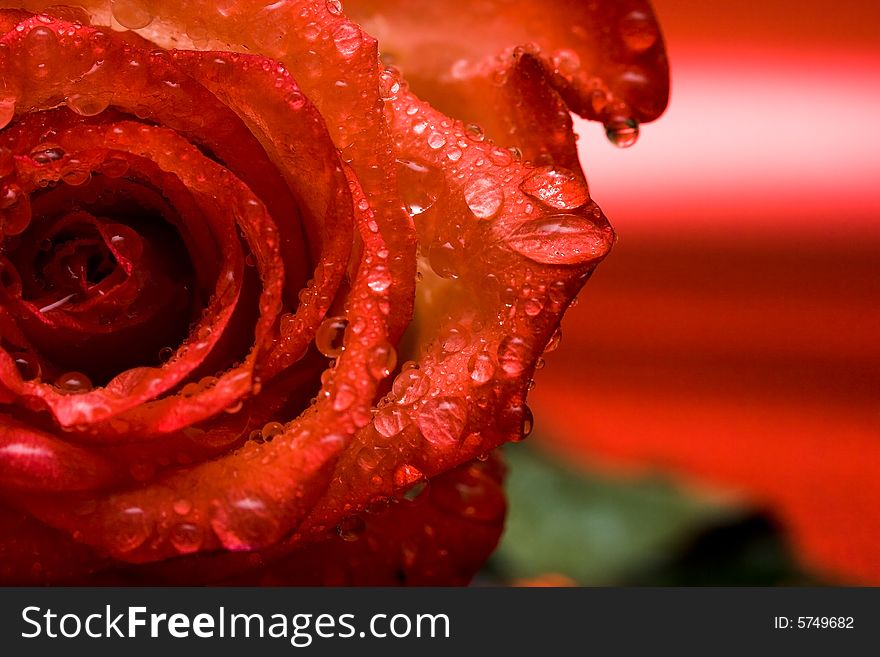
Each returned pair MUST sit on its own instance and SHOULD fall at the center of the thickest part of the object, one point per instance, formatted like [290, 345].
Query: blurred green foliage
[601, 530]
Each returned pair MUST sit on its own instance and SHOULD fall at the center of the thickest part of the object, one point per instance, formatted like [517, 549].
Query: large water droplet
[86, 105]
[7, 111]
[442, 420]
[347, 38]
[382, 360]
[622, 132]
[243, 522]
[40, 51]
[561, 239]
[129, 529]
[390, 420]
[329, 339]
[15, 210]
[186, 537]
[637, 31]
[131, 13]
[513, 355]
[28, 366]
[484, 197]
[556, 187]
[444, 259]
[73, 383]
[410, 386]
[481, 367]
[420, 185]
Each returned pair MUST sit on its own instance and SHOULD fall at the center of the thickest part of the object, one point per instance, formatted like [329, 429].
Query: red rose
[188, 234]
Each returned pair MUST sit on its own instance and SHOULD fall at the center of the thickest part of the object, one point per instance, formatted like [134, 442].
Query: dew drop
[474, 132]
[481, 368]
[513, 355]
[444, 259]
[73, 382]
[28, 366]
[348, 39]
[436, 140]
[186, 537]
[182, 506]
[350, 528]
[390, 420]
[622, 132]
[87, 105]
[553, 342]
[410, 386]
[243, 522]
[528, 421]
[41, 51]
[442, 420]
[344, 398]
[46, 154]
[484, 197]
[389, 84]
[420, 185]
[7, 111]
[561, 239]
[131, 13]
[637, 31]
[15, 209]
[334, 7]
[329, 339]
[270, 430]
[556, 187]
[382, 360]
[165, 354]
[455, 340]
[130, 529]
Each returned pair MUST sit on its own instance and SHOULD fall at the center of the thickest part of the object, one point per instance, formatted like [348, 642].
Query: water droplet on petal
[348, 39]
[182, 506]
[186, 537]
[410, 386]
[475, 132]
[484, 196]
[442, 420]
[28, 366]
[528, 422]
[15, 210]
[436, 140]
[556, 187]
[270, 430]
[444, 259]
[561, 239]
[455, 340]
[329, 339]
[85, 105]
[513, 355]
[622, 132]
[390, 420]
[243, 522]
[7, 111]
[382, 360]
[481, 368]
[129, 529]
[420, 185]
[637, 31]
[73, 382]
[131, 13]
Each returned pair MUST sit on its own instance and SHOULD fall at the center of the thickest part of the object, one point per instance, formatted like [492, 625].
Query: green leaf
[604, 530]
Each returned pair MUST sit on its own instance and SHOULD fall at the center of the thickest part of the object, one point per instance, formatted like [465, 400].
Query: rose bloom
[267, 301]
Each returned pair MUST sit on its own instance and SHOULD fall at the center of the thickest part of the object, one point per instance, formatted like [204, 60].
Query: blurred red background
[731, 338]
